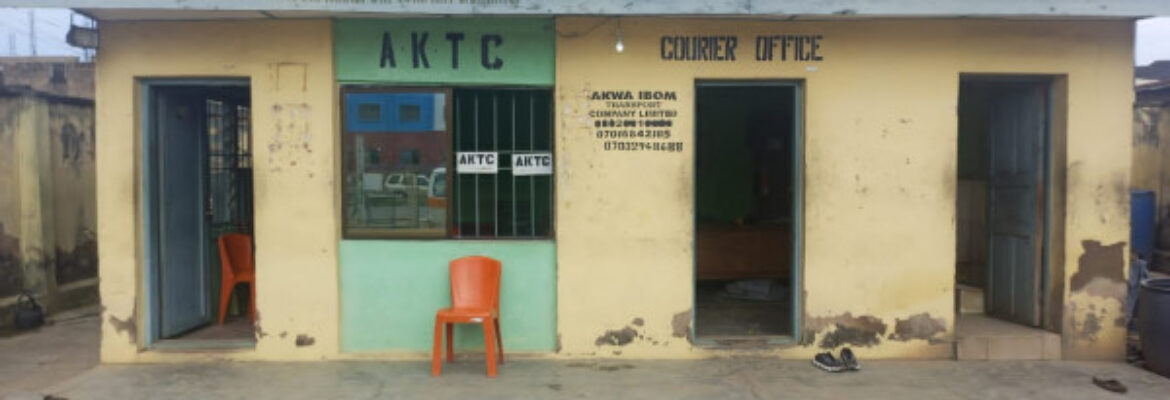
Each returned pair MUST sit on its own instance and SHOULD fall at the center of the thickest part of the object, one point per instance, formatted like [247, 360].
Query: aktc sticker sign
[488, 162]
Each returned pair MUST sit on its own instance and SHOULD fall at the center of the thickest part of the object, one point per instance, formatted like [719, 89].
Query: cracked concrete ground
[54, 361]
[731, 378]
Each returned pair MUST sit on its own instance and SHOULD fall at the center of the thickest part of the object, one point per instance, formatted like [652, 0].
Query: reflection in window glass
[369, 112]
[390, 191]
[410, 113]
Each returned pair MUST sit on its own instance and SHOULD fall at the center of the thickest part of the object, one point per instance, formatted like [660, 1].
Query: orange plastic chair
[475, 299]
[235, 256]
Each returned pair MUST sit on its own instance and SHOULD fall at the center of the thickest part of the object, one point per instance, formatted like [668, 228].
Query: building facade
[656, 186]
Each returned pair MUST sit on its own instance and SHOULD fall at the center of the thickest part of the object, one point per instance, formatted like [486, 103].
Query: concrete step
[970, 299]
[981, 337]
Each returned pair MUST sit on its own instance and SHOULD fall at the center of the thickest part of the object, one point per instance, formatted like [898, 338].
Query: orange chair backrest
[475, 282]
[235, 254]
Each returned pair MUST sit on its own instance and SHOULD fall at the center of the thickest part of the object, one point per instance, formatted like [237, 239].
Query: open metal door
[1017, 127]
[183, 273]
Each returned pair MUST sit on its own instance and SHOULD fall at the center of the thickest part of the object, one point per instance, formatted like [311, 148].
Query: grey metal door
[183, 272]
[1018, 124]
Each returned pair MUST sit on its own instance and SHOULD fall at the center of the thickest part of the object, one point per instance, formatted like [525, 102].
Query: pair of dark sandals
[827, 362]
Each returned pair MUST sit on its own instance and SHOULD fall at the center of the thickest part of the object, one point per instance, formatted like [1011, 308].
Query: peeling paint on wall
[617, 337]
[680, 324]
[1101, 270]
[1088, 328]
[861, 331]
[128, 326]
[290, 144]
[920, 327]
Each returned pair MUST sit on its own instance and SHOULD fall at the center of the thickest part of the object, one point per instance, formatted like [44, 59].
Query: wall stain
[1101, 270]
[11, 272]
[129, 326]
[1090, 328]
[680, 324]
[638, 322]
[617, 337]
[918, 326]
[612, 368]
[861, 331]
[304, 340]
[80, 262]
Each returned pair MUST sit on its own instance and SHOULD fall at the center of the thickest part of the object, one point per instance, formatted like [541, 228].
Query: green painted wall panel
[423, 50]
[390, 291]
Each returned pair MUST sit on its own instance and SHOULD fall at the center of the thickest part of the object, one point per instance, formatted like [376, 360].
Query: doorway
[747, 219]
[198, 186]
[1003, 199]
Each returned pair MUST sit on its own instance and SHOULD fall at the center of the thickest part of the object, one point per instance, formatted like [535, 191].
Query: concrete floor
[733, 378]
[54, 361]
[33, 361]
[718, 315]
[234, 328]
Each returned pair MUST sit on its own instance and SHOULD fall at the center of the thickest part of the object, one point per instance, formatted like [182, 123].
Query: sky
[1152, 35]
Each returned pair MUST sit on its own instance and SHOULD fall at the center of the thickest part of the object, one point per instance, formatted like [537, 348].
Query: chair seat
[464, 314]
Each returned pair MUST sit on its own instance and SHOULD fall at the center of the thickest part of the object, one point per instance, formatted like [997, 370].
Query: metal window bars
[496, 120]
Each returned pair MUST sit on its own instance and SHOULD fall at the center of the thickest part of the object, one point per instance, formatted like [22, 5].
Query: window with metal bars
[399, 150]
[509, 122]
[229, 166]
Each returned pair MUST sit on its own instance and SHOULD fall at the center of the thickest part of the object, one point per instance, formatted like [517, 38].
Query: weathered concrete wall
[294, 103]
[73, 215]
[1151, 150]
[37, 240]
[880, 180]
[62, 76]
[11, 270]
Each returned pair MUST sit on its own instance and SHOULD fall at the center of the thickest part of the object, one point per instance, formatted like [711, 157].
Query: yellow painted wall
[294, 100]
[880, 150]
[880, 176]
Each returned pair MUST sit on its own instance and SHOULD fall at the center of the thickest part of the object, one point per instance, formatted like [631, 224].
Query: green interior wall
[973, 139]
[390, 290]
[725, 167]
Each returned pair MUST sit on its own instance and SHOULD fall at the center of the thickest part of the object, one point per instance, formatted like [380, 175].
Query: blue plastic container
[1143, 223]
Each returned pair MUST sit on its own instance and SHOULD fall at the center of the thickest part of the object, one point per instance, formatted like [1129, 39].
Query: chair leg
[437, 349]
[499, 341]
[489, 346]
[224, 296]
[450, 342]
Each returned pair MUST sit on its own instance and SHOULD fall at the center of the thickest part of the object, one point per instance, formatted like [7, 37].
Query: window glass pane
[410, 113]
[391, 174]
[369, 112]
